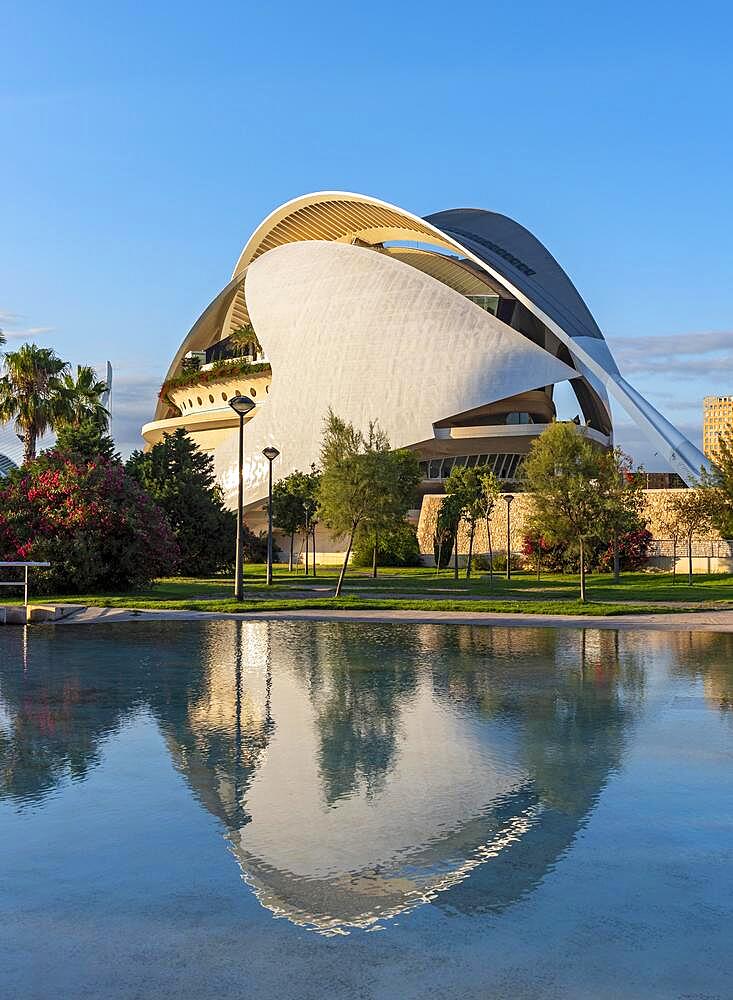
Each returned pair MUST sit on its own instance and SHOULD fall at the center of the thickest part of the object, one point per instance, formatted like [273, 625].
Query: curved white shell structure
[450, 330]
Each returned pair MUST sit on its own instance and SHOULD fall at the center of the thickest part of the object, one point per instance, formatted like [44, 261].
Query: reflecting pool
[271, 809]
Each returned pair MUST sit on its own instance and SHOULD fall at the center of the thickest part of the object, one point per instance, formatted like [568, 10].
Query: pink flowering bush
[89, 519]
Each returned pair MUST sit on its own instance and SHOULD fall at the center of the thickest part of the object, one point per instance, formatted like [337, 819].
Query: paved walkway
[702, 621]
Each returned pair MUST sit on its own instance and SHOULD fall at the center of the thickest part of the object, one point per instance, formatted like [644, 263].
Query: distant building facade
[717, 422]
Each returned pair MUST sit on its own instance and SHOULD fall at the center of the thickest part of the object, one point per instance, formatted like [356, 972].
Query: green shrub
[398, 547]
[482, 563]
[93, 523]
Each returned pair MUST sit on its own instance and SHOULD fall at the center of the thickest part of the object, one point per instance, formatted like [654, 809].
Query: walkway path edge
[701, 621]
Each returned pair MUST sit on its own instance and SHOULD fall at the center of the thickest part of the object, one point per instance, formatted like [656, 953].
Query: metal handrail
[24, 582]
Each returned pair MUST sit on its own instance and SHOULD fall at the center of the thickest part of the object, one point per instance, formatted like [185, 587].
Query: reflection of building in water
[401, 761]
[357, 771]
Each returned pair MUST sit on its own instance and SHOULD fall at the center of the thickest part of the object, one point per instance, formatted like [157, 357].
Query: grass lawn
[422, 589]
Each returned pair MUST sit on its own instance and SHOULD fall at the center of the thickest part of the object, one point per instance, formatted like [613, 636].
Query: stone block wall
[656, 502]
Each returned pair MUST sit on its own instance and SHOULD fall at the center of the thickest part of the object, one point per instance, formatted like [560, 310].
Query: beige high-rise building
[717, 422]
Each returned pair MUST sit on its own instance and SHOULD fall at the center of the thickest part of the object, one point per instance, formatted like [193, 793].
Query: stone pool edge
[698, 621]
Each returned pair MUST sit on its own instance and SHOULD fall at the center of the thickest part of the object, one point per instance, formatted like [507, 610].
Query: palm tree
[32, 393]
[83, 399]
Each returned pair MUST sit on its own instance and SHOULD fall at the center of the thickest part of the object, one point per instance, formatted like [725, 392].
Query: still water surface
[227, 809]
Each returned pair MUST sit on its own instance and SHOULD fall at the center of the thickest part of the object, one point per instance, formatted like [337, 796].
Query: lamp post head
[241, 405]
[270, 453]
[508, 498]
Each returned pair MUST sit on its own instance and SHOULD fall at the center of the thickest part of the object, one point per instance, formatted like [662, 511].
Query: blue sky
[141, 144]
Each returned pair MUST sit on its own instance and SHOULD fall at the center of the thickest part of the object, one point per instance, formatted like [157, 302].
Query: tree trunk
[314, 552]
[342, 574]
[689, 560]
[616, 560]
[455, 558]
[539, 558]
[470, 550]
[491, 553]
[292, 542]
[582, 571]
[29, 447]
[674, 560]
[374, 556]
[440, 556]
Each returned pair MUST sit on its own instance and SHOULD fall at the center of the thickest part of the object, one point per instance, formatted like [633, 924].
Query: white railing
[24, 582]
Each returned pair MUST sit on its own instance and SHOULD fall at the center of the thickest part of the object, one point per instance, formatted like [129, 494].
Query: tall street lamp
[509, 499]
[241, 406]
[270, 454]
[307, 507]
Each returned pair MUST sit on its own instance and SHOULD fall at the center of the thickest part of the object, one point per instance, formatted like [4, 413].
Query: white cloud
[14, 328]
[676, 355]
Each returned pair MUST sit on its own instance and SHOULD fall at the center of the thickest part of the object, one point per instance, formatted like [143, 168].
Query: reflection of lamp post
[241, 406]
[509, 499]
[307, 507]
[270, 454]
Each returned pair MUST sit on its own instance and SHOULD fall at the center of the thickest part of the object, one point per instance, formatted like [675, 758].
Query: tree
[490, 493]
[623, 502]
[669, 523]
[719, 484]
[568, 479]
[448, 523]
[180, 478]
[83, 398]
[693, 510]
[359, 474]
[398, 546]
[289, 497]
[465, 484]
[85, 442]
[396, 476]
[32, 393]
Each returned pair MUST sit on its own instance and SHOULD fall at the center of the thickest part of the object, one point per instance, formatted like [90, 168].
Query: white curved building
[451, 330]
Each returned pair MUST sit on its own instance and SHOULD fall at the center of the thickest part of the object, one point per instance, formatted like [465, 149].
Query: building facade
[452, 331]
[717, 422]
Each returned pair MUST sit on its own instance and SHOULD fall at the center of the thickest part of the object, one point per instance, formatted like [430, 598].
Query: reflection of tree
[709, 657]
[61, 702]
[358, 693]
[79, 685]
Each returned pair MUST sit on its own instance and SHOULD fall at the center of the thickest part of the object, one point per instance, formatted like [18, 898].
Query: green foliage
[180, 478]
[245, 335]
[447, 524]
[581, 494]
[396, 546]
[85, 442]
[719, 485]
[92, 522]
[467, 486]
[220, 371]
[32, 393]
[496, 563]
[290, 497]
[693, 512]
[83, 398]
[362, 483]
